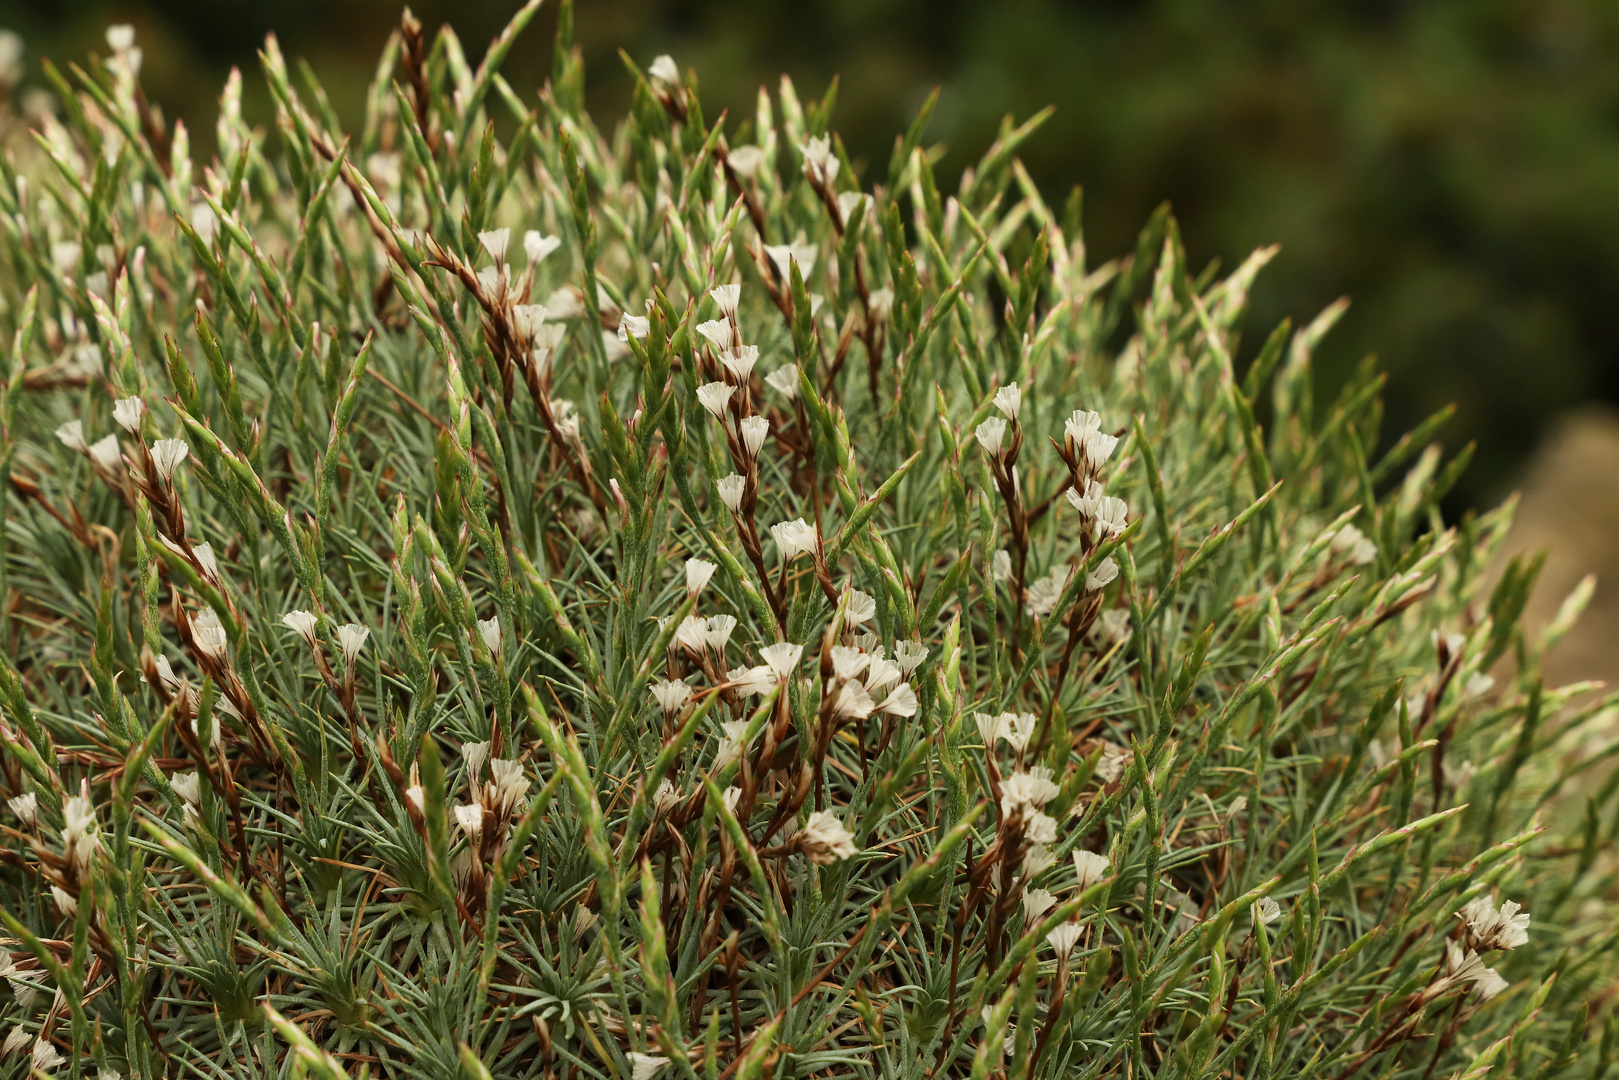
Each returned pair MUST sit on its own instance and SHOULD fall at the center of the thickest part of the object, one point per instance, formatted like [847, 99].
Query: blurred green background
[1452, 165]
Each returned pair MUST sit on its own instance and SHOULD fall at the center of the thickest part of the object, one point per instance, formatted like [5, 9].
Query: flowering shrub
[676, 603]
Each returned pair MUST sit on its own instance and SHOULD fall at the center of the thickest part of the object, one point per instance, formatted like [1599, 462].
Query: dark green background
[1453, 165]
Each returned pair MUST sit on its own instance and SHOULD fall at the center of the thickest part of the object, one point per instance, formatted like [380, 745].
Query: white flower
[634, 326]
[105, 453]
[881, 673]
[1024, 791]
[209, 633]
[26, 807]
[862, 608]
[351, 639]
[848, 662]
[188, 786]
[881, 303]
[78, 831]
[1489, 929]
[850, 205]
[1000, 566]
[494, 241]
[489, 630]
[1099, 447]
[415, 796]
[1110, 766]
[303, 623]
[784, 255]
[731, 743]
[1478, 684]
[664, 70]
[739, 361]
[1269, 911]
[1488, 985]
[781, 657]
[754, 429]
[493, 280]
[204, 555]
[1038, 828]
[745, 161]
[824, 840]
[718, 333]
[793, 538]
[784, 380]
[717, 631]
[565, 303]
[909, 656]
[732, 796]
[1037, 861]
[17, 1037]
[1009, 399]
[730, 489]
[537, 246]
[475, 754]
[901, 701]
[692, 634]
[726, 298]
[527, 320]
[666, 798]
[507, 785]
[1044, 593]
[714, 396]
[127, 413]
[46, 1056]
[167, 455]
[1090, 867]
[1113, 627]
[698, 573]
[1017, 729]
[991, 433]
[1036, 902]
[1081, 425]
[990, 728]
[1064, 937]
[850, 701]
[1110, 516]
[820, 163]
[1104, 573]
[469, 819]
[1351, 543]
[120, 37]
[71, 435]
[671, 695]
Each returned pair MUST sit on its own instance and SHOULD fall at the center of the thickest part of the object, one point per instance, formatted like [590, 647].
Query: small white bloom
[1488, 985]
[739, 361]
[753, 430]
[537, 246]
[105, 452]
[167, 455]
[848, 662]
[527, 320]
[1037, 861]
[1090, 867]
[1099, 447]
[731, 743]
[1111, 517]
[671, 695]
[469, 819]
[1478, 684]
[781, 657]
[489, 630]
[1039, 828]
[745, 162]
[204, 554]
[862, 608]
[692, 634]
[717, 632]
[664, 70]
[1489, 929]
[1000, 566]
[17, 1037]
[750, 681]
[1080, 426]
[698, 573]
[881, 303]
[71, 435]
[881, 673]
[1064, 937]
[909, 656]
[1110, 766]
[730, 489]
[793, 538]
[714, 397]
[1036, 902]
[127, 413]
[850, 701]
[1104, 573]
[1017, 729]
[634, 326]
[351, 639]
[784, 380]
[507, 786]
[1009, 399]
[1269, 911]
[718, 334]
[851, 205]
[565, 303]
[1044, 593]
[26, 807]
[820, 163]
[666, 798]
[1025, 791]
[495, 241]
[120, 37]
[732, 796]
[1352, 544]
[303, 623]
[208, 632]
[188, 786]
[784, 255]
[646, 1066]
[990, 728]
[991, 434]
[45, 1055]
[726, 297]
[901, 701]
[824, 840]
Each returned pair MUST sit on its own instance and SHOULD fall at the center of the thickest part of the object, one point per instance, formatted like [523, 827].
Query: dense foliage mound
[679, 603]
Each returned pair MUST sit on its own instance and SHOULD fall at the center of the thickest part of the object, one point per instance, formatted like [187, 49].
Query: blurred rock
[1570, 509]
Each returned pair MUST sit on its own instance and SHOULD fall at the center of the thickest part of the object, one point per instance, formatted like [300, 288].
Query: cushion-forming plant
[490, 597]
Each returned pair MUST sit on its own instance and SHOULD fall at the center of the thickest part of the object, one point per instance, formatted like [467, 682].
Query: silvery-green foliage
[491, 596]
